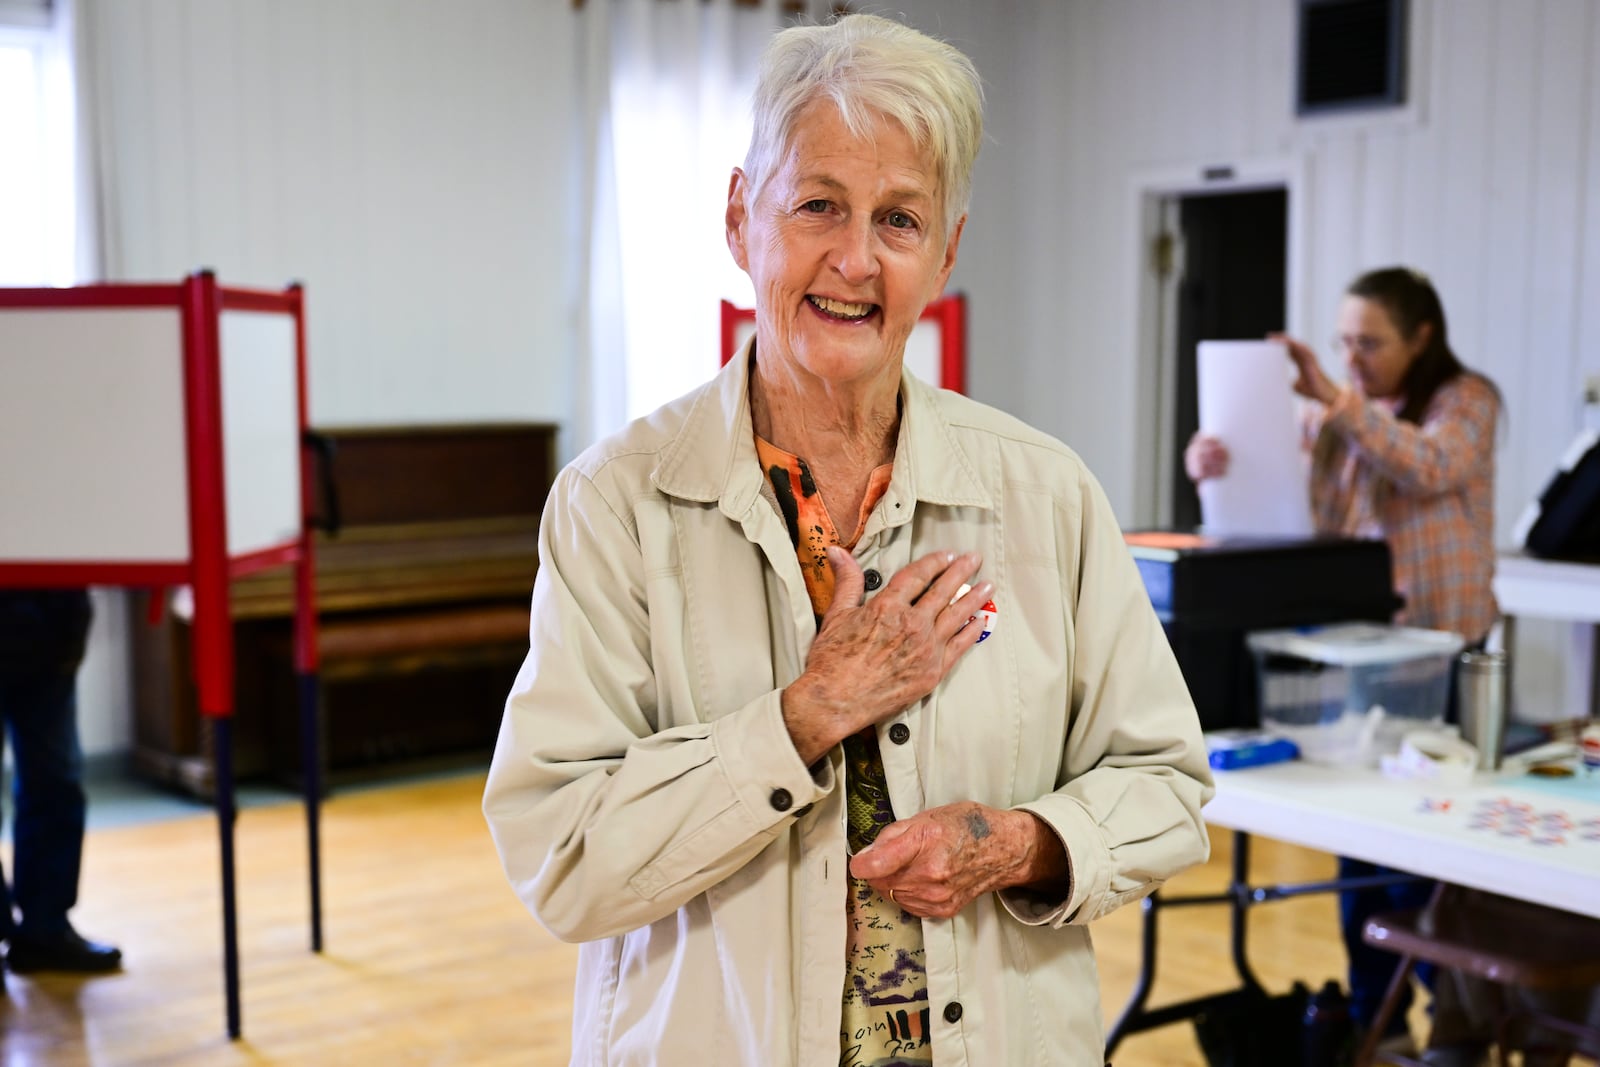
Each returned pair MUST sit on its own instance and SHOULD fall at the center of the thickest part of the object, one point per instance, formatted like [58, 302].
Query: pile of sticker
[1511, 818]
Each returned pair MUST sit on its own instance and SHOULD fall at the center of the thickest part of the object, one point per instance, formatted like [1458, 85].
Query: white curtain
[47, 227]
[48, 236]
[667, 90]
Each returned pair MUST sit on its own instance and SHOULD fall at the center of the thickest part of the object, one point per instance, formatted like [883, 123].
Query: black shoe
[69, 953]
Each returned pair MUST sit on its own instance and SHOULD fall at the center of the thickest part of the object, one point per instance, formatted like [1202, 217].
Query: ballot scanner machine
[1209, 592]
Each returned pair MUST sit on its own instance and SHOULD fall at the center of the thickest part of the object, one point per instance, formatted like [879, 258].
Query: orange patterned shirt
[885, 1020]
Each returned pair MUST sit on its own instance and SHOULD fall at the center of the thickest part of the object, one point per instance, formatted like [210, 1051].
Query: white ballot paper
[1246, 401]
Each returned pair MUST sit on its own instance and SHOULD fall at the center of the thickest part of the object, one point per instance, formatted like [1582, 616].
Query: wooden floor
[431, 960]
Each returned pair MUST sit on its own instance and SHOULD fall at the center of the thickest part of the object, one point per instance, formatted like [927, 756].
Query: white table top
[1547, 588]
[1534, 839]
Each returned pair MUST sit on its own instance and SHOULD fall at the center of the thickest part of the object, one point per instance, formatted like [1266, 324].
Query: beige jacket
[646, 800]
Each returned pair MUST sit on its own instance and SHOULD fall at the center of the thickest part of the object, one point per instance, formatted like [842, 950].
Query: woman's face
[1374, 350]
[846, 245]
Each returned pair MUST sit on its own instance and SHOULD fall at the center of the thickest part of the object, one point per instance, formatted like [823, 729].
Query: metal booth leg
[311, 774]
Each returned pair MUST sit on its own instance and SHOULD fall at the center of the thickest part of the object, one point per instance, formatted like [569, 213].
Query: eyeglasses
[1360, 345]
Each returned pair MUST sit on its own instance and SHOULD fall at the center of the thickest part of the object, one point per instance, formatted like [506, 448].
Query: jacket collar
[713, 455]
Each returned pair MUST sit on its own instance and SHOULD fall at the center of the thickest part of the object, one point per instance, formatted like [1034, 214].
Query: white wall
[105, 697]
[1493, 188]
[1491, 184]
[407, 160]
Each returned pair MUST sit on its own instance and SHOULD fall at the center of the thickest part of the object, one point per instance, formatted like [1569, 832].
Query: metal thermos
[1482, 684]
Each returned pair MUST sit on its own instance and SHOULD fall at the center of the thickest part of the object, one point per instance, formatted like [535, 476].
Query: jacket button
[952, 1012]
[872, 579]
[899, 733]
[781, 800]
[803, 812]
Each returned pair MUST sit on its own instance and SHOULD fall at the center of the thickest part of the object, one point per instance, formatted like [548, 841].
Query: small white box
[1347, 692]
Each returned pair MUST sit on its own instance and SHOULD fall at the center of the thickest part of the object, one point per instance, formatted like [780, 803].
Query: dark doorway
[1233, 286]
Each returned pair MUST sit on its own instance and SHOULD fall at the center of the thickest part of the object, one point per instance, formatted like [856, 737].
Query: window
[38, 216]
[1352, 55]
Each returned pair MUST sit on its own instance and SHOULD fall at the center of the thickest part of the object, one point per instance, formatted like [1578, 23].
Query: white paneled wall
[1490, 182]
[407, 160]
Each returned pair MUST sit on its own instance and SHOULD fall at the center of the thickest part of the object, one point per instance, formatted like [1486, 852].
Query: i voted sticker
[988, 613]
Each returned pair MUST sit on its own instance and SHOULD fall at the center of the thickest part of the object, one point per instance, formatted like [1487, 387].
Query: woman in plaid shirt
[1403, 452]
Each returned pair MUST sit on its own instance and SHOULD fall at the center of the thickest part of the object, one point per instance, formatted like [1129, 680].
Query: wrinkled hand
[871, 660]
[1205, 457]
[940, 860]
[1309, 381]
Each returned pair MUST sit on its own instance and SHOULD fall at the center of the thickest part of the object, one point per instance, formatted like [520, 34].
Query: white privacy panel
[92, 462]
[260, 430]
[922, 347]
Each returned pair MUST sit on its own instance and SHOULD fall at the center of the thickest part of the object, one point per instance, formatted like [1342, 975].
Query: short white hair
[870, 67]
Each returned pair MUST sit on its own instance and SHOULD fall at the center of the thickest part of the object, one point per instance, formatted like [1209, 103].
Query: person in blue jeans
[42, 638]
[1371, 969]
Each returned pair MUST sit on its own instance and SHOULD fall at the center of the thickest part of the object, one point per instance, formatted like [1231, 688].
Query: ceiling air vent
[1352, 55]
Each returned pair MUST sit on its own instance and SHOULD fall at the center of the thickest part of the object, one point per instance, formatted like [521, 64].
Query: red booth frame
[950, 312]
[200, 301]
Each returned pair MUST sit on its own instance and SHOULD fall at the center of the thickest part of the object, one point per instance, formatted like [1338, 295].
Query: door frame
[1155, 301]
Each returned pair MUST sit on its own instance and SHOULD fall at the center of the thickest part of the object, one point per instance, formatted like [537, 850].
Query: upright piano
[425, 557]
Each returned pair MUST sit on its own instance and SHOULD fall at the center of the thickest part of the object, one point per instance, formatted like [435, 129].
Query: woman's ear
[734, 218]
[949, 264]
[1421, 339]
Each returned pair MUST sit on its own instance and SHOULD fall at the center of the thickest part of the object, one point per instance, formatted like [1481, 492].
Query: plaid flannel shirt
[1428, 490]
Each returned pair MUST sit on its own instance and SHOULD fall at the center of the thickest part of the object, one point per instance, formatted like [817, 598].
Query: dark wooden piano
[424, 561]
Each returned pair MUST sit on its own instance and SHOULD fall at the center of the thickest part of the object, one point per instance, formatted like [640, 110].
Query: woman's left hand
[1309, 381]
[940, 860]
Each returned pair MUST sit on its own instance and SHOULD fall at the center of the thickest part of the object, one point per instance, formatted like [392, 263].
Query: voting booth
[936, 351]
[151, 436]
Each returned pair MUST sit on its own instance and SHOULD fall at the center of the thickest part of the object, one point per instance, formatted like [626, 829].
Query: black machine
[1210, 592]
[1564, 523]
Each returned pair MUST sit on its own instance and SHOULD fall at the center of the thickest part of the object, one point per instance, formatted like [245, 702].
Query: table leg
[1240, 908]
[1134, 1011]
[1136, 1017]
[1240, 896]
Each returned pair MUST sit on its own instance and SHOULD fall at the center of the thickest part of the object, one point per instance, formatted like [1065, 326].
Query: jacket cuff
[1341, 414]
[1088, 861]
[758, 756]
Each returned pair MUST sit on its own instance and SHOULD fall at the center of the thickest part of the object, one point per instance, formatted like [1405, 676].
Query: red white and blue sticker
[988, 613]
[1591, 747]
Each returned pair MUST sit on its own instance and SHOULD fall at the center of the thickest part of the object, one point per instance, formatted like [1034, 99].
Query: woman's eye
[816, 207]
[901, 221]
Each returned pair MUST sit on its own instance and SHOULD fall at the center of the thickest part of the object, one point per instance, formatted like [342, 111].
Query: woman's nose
[856, 255]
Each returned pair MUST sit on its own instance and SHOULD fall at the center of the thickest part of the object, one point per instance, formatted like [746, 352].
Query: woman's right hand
[1310, 381]
[871, 660]
[1205, 457]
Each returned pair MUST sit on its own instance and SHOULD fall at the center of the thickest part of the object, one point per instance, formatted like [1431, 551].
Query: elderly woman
[756, 759]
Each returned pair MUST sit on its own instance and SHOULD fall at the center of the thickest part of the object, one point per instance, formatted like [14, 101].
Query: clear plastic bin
[1347, 693]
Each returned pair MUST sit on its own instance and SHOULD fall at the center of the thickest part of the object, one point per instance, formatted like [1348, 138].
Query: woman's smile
[841, 311]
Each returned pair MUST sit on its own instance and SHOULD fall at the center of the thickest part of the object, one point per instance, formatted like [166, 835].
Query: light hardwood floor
[431, 960]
